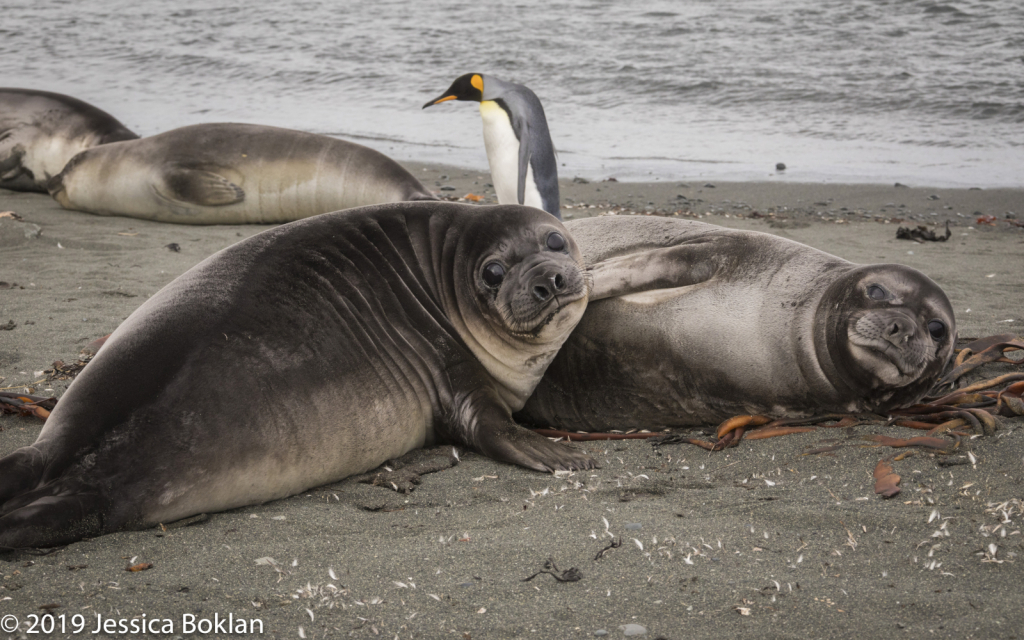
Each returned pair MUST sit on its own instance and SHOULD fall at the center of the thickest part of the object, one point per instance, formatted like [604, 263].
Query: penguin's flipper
[200, 187]
[523, 132]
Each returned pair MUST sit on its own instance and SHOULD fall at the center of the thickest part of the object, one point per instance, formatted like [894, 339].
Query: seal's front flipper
[200, 187]
[485, 425]
[662, 268]
[510, 442]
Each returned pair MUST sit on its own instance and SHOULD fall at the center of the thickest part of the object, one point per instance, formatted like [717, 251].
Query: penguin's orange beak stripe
[444, 99]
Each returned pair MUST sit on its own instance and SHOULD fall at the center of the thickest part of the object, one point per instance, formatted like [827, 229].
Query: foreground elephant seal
[302, 355]
[231, 174]
[41, 131]
[737, 322]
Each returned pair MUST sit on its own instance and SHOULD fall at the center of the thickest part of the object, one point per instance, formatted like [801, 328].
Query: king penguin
[516, 137]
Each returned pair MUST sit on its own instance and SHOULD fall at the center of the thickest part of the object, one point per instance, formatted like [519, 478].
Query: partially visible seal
[231, 174]
[300, 356]
[40, 131]
[702, 323]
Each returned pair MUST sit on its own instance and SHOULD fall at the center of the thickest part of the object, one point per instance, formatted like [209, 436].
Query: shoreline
[758, 539]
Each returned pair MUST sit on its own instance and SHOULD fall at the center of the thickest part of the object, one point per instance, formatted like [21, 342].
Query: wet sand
[758, 540]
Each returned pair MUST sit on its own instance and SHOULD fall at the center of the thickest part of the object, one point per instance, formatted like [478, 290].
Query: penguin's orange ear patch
[477, 82]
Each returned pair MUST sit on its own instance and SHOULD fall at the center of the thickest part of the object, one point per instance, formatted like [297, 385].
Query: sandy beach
[760, 540]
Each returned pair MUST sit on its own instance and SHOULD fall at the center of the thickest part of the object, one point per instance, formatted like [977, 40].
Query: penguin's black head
[467, 87]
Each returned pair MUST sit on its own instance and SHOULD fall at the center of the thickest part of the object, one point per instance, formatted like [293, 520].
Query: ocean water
[924, 92]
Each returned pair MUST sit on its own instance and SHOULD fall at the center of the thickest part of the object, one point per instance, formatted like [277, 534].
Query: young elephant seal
[300, 356]
[231, 174]
[705, 323]
[40, 131]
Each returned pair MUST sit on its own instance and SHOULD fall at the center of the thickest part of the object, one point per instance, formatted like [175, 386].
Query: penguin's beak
[444, 98]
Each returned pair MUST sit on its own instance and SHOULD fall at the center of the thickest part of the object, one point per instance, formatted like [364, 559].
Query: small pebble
[634, 526]
[633, 630]
[447, 188]
[600, 633]
[780, 166]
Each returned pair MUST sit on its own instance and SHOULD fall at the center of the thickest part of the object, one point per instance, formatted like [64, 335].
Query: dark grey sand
[758, 541]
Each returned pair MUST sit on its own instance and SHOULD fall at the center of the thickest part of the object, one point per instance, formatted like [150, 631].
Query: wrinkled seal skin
[231, 174]
[40, 131]
[300, 356]
[701, 323]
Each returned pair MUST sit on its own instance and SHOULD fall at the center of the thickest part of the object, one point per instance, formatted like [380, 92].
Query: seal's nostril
[894, 329]
[558, 281]
[541, 293]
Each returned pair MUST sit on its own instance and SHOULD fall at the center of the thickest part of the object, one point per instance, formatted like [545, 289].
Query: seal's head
[890, 331]
[529, 281]
[524, 290]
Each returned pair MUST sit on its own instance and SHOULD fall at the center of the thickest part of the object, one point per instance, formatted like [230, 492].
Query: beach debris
[60, 370]
[10, 326]
[26, 405]
[614, 544]
[142, 566]
[174, 246]
[631, 629]
[986, 220]
[583, 436]
[472, 197]
[11, 215]
[780, 166]
[886, 480]
[569, 575]
[270, 562]
[922, 234]
[93, 347]
[404, 473]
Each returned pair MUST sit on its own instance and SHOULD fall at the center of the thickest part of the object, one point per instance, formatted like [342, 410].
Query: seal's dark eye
[876, 292]
[556, 242]
[493, 274]
[938, 329]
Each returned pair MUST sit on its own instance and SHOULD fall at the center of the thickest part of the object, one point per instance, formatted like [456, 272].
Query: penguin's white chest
[503, 157]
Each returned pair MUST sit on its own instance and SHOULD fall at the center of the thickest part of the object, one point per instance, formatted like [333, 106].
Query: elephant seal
[302, 355]
[231, 174]
[701, 323]
[40, 131]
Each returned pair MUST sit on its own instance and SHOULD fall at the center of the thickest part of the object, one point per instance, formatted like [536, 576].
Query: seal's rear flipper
[20, 472]
[52, 521]
[11, 166]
